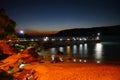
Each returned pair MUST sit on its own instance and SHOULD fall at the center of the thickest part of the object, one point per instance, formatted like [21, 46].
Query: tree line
[7, 26]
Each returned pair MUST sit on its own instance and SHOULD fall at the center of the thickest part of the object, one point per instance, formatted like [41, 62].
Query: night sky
[56, 15]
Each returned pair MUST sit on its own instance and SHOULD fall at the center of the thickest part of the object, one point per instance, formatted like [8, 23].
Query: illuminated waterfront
[78, 61]
[79, 50]
[93, 52]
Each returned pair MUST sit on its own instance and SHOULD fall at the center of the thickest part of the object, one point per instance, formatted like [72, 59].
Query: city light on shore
[21, 32]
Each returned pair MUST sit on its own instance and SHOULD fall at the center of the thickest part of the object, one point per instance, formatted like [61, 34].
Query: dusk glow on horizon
[56, 15]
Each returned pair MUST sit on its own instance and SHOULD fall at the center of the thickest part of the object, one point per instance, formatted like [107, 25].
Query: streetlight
[22, 33]
[98, 34]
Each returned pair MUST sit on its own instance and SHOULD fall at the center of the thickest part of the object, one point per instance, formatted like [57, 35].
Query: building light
[53, 39]
[98, 34]
[46, 39]
[80, 39]
[68, 39]
[61, 39]
[97, 38]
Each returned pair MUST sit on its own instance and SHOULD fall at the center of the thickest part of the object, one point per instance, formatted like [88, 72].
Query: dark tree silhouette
[7, 25]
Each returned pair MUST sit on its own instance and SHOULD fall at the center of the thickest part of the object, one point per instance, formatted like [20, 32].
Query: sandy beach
[75, 71]
[35, 70]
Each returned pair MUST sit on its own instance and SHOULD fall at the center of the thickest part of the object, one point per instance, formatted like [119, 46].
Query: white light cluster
[46, 39]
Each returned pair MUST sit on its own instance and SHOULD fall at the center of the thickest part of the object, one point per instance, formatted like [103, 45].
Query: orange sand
[58, 71]
[74, 71]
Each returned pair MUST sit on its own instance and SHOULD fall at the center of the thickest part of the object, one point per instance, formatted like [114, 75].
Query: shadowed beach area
[34, 69]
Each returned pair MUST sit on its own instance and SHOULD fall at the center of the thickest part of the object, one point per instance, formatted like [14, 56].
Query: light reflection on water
[74, 49]
[61, 49]
[85, 50]
[81, 50]
[68, 50]
[98, 52]
[53, 50]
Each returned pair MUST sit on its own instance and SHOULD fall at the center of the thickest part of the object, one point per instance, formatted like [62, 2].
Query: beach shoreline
[34, 69]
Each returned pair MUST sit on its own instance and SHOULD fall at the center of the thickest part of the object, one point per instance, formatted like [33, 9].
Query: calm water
[95, 52]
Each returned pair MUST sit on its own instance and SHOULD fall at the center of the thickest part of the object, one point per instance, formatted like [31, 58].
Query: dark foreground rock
[5, 76]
